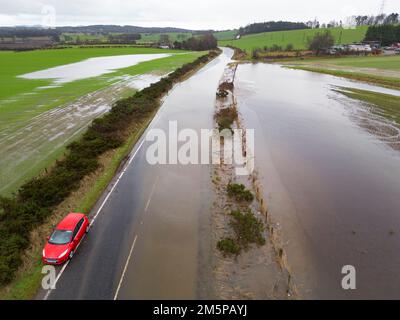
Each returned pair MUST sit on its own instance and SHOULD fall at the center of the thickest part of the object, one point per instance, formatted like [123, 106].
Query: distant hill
[92, 29]
[119, 29]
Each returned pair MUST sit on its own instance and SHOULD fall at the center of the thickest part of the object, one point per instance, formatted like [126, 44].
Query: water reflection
[333, 186]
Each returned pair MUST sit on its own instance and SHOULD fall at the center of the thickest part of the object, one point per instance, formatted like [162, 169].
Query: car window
[61, 237]
[78, 226]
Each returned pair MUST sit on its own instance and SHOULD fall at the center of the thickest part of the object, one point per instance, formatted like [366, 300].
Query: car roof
[70, 221]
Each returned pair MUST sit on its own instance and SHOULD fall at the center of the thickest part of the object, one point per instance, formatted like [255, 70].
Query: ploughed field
[48, 97]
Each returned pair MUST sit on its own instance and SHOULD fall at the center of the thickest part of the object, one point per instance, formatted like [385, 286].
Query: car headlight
[63, 254]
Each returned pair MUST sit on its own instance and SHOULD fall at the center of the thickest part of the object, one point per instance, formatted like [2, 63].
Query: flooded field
[92, 67]
[36, 144]
[331, 172]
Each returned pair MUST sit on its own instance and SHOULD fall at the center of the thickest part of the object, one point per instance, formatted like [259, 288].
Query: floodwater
[165, 248]
[24, 151]
[330, 168]
[92, 67]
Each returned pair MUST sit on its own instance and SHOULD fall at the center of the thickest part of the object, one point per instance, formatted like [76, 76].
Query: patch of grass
[225, 35]
[248, 229]
[239, 192]
[228, 247]
[298, 38]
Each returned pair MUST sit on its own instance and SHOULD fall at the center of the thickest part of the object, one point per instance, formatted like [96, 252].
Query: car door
[77, 236]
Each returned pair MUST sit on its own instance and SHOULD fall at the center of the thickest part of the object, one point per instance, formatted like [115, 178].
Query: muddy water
[333, 185]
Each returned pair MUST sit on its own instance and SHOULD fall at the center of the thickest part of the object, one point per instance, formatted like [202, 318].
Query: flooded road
[332, 182]
[151, 237]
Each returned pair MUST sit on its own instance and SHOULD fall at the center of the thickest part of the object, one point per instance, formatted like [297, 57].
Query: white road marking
[126, 266]
[94, 218]
[151, 194]
[116, 183]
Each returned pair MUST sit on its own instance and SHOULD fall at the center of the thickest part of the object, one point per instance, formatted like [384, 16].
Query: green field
[298, 38]
[155, 37]
[379, 62]
[23, 99]
[225, 35]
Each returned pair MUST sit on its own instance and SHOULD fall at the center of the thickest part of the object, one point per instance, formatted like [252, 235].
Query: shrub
[225, 118]
[239, 192]
[248, 228]
[228, 246]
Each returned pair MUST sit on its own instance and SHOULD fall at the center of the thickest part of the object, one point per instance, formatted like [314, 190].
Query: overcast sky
[199, 14]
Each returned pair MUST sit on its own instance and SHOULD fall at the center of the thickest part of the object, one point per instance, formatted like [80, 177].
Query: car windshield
[60, 237]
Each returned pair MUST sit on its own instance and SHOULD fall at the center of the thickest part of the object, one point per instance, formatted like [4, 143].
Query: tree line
[271, 26]
[387, 34]
[381, 19]
[200, 43]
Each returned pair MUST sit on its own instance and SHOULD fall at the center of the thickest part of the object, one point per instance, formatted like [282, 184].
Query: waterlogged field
[298, 38]
[382, 70]
[38, 117]
[379, 62]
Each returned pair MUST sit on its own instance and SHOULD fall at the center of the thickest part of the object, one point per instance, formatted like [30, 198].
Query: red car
[65, 239]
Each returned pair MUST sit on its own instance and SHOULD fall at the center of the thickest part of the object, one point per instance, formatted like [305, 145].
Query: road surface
[148, 239]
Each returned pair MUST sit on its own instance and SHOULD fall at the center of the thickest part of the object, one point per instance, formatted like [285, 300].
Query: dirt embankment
[259, 271]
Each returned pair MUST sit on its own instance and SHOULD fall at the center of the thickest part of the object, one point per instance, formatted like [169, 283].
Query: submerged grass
[386, 104]
[388, 82]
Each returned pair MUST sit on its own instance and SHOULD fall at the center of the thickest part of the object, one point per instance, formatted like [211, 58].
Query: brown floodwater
[331, 175]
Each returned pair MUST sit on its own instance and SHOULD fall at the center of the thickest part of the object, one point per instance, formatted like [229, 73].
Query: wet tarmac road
[146, 237]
